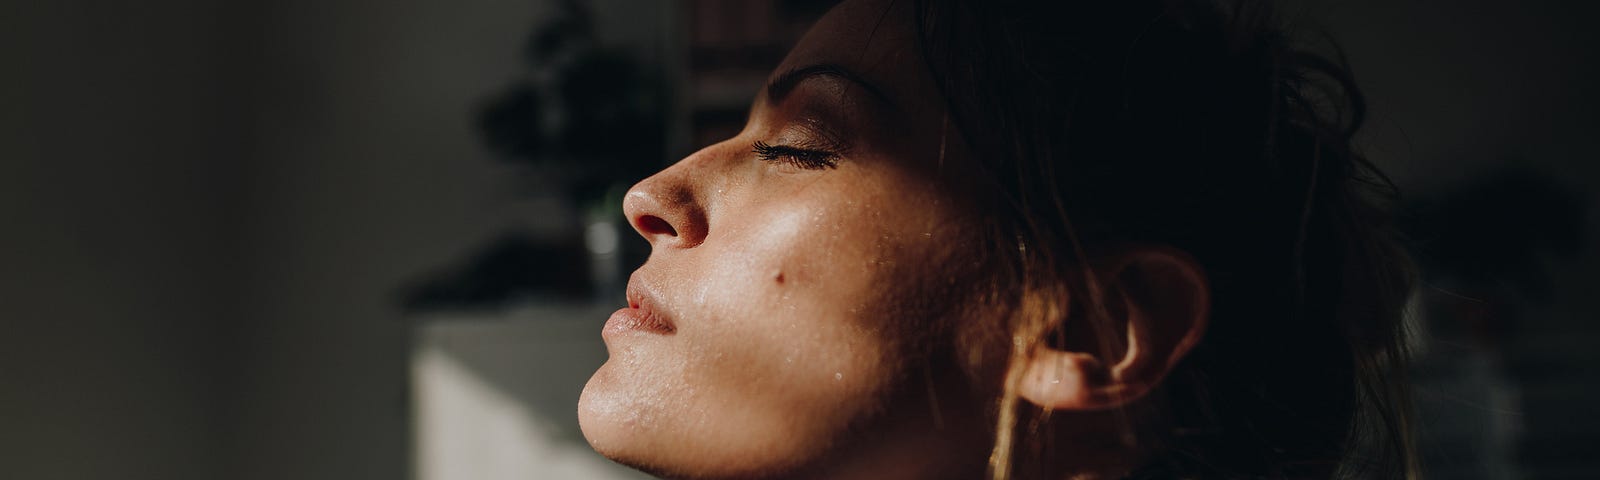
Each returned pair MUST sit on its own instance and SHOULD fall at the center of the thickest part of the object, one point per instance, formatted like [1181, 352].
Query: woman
[1109, 240]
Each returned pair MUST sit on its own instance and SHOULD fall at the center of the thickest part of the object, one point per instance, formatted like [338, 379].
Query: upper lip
[643, 297]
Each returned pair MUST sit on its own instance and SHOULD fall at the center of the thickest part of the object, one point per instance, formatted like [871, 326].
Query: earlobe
[1061, 380]
[1157, 304]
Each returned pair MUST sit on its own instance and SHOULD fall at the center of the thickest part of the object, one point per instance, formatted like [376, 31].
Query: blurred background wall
[1484, 114]
[122, 146]
[207, 209]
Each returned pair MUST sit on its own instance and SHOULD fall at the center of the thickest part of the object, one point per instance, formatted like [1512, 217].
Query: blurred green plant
[586, 116]
[582, 119]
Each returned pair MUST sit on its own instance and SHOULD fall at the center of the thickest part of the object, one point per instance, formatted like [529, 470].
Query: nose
[666, 210]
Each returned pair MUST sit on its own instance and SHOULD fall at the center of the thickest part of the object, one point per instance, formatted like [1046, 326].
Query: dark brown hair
[1200, 125]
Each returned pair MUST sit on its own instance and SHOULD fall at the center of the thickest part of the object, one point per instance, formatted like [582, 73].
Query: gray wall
[117, 139]
[208, 210]
[362, 172]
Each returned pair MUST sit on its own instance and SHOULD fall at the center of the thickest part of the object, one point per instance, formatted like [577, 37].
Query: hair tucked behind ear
[1202, 126]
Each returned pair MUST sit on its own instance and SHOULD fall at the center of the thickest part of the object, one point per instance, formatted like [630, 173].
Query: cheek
[828, 281]
[790, 304]
[793, 347]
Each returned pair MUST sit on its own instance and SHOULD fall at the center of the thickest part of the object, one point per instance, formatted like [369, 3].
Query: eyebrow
[785, 83]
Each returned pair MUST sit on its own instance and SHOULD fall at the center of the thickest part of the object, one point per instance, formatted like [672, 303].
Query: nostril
[653, 225]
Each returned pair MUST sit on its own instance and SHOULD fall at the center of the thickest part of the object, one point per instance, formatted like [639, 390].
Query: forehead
[874, 38]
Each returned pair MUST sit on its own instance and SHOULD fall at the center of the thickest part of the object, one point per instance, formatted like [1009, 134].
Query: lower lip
[635, 320]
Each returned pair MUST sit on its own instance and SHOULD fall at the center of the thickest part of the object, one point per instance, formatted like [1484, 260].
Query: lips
[641, 315]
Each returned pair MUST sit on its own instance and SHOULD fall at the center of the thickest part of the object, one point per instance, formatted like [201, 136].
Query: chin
[628, 431]
[620, 428]
[601, 417]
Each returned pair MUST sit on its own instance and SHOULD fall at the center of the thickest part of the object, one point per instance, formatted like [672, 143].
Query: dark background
[207, 210]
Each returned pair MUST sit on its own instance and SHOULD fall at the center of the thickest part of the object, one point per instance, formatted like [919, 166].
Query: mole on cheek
[777, 276]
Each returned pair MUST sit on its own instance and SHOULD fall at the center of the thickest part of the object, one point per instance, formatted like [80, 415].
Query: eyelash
[804, 158]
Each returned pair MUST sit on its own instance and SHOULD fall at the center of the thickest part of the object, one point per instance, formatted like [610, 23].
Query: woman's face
[800, 274]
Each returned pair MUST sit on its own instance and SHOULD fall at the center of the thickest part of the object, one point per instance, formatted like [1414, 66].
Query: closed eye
[804, 158]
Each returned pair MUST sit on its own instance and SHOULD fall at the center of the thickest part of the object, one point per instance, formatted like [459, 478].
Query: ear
[1157, 300]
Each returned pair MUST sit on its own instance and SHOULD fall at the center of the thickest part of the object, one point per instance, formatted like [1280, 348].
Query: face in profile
[801, 277]
[860, 285]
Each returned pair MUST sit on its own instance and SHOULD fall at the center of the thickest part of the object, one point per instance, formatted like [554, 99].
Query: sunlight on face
[798, 273]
